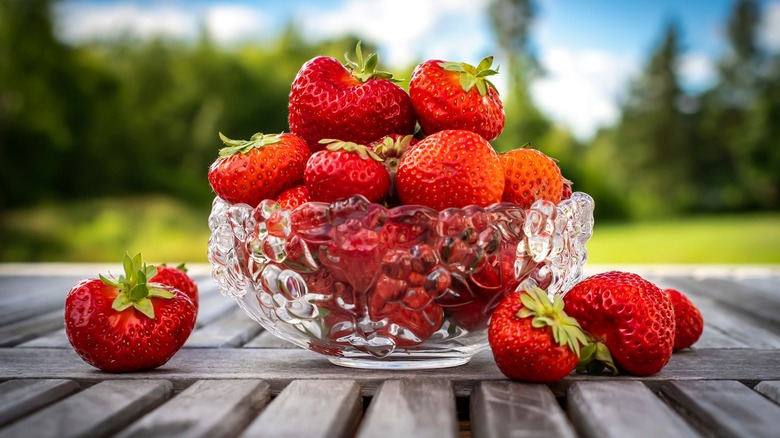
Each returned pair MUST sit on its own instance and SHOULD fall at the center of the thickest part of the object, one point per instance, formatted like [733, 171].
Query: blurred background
[666, 112]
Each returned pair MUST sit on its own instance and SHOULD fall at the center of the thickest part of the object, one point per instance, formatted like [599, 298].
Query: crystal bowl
[394, 288]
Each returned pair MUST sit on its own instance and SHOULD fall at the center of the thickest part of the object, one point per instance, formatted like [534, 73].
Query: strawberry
[451, 168]
[688, 322]
[356, 103]
[630, 320]
[291, 198]
[178, 278]
[533, 339]
[248, 171]
[452, 95]
[345, 169]
[566, 192]
[127, 324]
[530, 175]
[411, 315]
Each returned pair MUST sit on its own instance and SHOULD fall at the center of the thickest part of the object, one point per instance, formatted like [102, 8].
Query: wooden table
[231, 378]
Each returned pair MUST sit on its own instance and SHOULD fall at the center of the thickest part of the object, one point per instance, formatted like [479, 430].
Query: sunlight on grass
[744, 238]
[102, 230]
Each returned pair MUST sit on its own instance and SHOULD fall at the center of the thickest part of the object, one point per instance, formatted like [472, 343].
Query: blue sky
[589, 48]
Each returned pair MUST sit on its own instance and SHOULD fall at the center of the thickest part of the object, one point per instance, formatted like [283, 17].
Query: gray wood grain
[771, 390]
[231, 330]
[621, 408]
[313, 409]
[411, 407]
[94, 412]
[207, 409]
[212, 305]
[24, 330]
[55, 339]
[512, 409]
[21, 397]
[267, 339]
[280, 367]
[724, 408]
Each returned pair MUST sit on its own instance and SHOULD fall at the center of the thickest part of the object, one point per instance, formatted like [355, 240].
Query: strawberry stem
[471, 76]
[348, 146]
[545, 313]
[135, 290]
[258, 140]
[365, 69]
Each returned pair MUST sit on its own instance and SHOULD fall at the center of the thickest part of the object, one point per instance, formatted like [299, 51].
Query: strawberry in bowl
[394, 247]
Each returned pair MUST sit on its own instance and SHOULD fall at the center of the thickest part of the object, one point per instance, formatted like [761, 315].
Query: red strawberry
[127, 324]
[411, 315]
[178, 278]
[355, 103]
[451, 95]
[533, 339]
[345, 169]
[566, 192]
[248, 171]
[629, 315]
[291, 198]
[530, 175]
[451, 168]
[688, 321]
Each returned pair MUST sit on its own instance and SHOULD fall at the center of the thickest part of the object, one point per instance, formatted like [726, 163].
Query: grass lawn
[165, 230]
[728, 238]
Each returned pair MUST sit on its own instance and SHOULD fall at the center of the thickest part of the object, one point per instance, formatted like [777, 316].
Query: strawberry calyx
[545, 313]
[259, 140]
[364, 152]
[135, 288]
[596, 360]
[393, 147]
[365, 69]
[471, 76]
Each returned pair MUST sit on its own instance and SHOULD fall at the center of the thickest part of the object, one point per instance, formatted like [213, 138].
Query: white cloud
[770, 27]
[581, 89]
[406, 29]
[83, 21]
[229, 23]
[697, 71]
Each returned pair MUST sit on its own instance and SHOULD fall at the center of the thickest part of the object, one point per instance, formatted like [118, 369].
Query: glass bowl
[407, 287]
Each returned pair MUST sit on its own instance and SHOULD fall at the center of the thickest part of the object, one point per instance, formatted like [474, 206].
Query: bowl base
[399, 364]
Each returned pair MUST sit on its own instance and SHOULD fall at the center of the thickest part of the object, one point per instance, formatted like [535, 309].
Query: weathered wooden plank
[323, 408]
[55, 339]
[267, 339]
[231, 330]
[280, 367]
[411, 407]
[502, 409]
[208, 408]
[618, 409]
[21, 397]
[724, 408]
[765, 308]
[21, 331]
[770, 389]
[34, 304]
[212, 305]
[97, 411]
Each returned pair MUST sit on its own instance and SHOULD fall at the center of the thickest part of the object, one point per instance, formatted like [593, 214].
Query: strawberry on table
[345, 169]
[178, 278]
[455, 95]
[630, 320]
[533, 339]
[356, 103]
[127, 323]
[249, 171]
[451, 168]
[530, 175]
[688, 322]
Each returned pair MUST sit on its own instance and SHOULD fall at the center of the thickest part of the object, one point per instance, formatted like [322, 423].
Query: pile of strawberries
[353, 131]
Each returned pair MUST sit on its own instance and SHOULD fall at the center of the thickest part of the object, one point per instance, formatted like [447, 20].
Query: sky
[589, 49]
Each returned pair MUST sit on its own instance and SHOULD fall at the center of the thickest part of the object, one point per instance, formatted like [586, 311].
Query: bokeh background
[666, 112]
